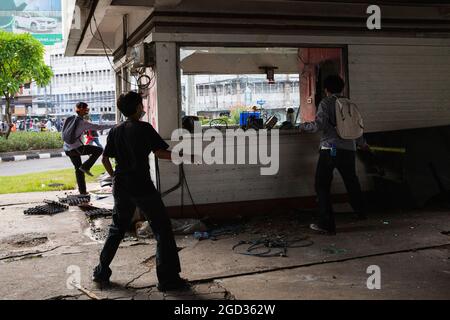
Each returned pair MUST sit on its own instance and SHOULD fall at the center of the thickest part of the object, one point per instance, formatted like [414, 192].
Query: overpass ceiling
[238, 60]
[207, 15]
[152, 3]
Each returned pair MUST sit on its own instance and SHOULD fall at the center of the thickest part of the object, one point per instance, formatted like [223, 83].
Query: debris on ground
[143, 229]
[188, 226]
[202, 235]
[264, 247]
[179, 226]
[32, 239]
[50, 208]
[75, 200]
[94, 212]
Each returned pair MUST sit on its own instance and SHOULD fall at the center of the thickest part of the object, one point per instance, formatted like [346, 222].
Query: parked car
[33, 21]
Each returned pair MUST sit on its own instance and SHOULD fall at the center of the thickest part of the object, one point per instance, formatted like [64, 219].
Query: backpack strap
[341, 109]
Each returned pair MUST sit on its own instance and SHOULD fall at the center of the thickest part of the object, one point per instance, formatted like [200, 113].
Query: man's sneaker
[85, 171]
[101, 279]
[100, 282]
[178, 284]
[317, 228]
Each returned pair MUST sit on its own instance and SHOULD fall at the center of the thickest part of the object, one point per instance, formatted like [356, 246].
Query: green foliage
[217, 121]
[23, 141]
[236, 114]
[21, 61]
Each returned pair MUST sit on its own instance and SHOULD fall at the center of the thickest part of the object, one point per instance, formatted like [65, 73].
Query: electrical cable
[263, 247]
[182, 182]
[105, 46]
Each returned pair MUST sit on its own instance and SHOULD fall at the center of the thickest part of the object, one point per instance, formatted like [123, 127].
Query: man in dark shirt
[130, 143]
[335, 153]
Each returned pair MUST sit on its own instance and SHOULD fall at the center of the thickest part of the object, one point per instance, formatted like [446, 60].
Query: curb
[33, 156]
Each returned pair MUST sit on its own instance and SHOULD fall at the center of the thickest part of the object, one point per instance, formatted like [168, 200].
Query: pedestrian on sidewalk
[335, 153]
[74, 128]
[92, 137]
[130, 143]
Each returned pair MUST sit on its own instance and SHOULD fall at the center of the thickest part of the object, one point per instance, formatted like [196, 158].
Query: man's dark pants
[344, 162]
[150, 203]
[75, 156]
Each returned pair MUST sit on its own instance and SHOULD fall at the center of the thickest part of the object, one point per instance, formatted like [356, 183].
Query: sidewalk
[411, 249]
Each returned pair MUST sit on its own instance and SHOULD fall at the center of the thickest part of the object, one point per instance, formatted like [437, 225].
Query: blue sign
[261, 102]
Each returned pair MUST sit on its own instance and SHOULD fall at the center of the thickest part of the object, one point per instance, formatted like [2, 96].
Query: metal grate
[51, 207]
[76, 200]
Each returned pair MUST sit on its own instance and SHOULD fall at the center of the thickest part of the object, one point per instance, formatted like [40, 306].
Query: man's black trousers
[344, 162]
[75, 156]
[151, 205]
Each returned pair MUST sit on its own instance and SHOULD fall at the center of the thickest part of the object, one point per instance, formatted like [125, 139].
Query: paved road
[30, 166]
[39, 165]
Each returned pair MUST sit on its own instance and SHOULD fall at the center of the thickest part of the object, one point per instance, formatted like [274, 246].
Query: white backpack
[349, 122]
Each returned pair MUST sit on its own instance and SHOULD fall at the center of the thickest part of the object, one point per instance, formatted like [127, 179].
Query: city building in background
[215, 95]
[87, 79]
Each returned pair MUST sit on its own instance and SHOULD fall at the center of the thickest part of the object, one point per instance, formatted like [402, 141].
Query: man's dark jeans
[151, 205]
[344, 162]
[75, 156]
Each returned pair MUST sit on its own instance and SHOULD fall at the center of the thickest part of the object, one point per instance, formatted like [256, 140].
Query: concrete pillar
[166, 98]
[191, 96]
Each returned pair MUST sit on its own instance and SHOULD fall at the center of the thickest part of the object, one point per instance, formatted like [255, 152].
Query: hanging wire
[141, 72]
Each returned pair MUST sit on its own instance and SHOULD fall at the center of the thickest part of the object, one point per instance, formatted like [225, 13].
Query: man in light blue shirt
[335, 153]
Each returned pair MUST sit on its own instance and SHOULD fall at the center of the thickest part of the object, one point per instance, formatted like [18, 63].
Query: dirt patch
[25, 240]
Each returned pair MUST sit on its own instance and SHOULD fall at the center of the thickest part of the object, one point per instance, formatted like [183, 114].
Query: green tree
[21, 61]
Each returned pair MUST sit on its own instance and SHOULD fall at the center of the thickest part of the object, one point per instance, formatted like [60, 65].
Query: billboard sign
[41, 18]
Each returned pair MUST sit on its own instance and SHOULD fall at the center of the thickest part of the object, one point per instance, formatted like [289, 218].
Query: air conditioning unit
[143, 55]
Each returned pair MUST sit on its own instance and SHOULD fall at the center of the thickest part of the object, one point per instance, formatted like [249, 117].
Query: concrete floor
[38, 254]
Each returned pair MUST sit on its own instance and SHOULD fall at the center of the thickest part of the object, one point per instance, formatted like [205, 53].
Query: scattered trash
[201, 235]
[51, 207]
[263, 247]
[98, 212]
[75, 200]
[179, 226]
[143, 229]
[105, 180]
[101, 197]
[187, 226]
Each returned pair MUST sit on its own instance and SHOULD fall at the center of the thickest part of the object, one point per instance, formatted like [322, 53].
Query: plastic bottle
[333, 150]
[201, 235]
